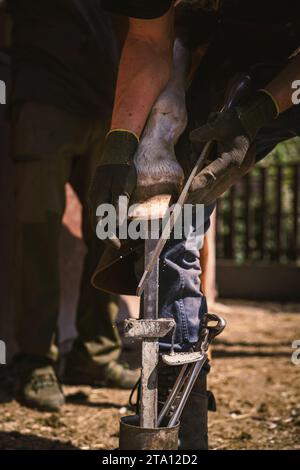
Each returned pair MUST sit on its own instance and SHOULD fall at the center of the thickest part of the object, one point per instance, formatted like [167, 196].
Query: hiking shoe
[37, 385]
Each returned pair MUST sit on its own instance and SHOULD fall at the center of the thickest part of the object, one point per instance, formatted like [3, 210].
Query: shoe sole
[35, 406]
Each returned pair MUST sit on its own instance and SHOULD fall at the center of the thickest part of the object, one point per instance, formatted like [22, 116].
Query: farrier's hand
[234, 131]
[115, 175]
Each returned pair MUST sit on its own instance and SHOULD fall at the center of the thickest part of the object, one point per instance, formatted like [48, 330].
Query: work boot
[120, 376]
[193, 431]
[114, 374]
[36, 384]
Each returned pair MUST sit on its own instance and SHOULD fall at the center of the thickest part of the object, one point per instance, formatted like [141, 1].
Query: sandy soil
[255, 382]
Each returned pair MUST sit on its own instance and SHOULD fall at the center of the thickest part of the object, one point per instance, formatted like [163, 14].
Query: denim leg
[180, 295]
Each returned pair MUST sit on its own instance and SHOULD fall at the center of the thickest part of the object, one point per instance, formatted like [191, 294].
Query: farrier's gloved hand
[115, 175]
[234, 131]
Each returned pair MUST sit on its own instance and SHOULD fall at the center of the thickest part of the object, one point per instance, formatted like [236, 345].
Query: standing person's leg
[39, 191]
[182, 299]
[44, 140]
[94, 355]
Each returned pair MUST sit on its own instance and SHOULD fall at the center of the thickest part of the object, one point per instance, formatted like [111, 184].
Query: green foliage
[286, 152]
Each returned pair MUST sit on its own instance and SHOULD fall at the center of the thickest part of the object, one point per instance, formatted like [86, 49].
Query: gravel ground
[253, 378]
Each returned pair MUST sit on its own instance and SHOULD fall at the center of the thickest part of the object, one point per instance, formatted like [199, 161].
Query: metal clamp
[189, 372]
[178, 359]
[209, 332]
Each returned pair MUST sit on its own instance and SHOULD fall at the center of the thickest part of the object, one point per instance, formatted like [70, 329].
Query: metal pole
[150, 351]
[195, 370]
[173, 394]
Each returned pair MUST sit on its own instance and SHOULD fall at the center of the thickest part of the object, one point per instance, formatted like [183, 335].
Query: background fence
[258, 228]
[258, 218]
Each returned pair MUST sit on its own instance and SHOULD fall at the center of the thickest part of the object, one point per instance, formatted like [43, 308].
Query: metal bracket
[179, 359]
[148, 328]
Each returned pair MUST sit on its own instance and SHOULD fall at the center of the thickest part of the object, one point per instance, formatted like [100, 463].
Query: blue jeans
[180, 295]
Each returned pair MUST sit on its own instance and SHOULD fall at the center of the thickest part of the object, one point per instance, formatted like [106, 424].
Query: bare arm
[144, 71]
[281, 87]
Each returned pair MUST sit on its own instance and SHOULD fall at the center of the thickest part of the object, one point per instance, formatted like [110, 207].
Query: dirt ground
[254, 380]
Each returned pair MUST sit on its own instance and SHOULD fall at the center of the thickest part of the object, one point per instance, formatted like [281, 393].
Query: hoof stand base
[133, 437]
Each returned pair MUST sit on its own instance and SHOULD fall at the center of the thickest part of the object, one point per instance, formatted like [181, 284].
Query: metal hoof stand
[145, 431]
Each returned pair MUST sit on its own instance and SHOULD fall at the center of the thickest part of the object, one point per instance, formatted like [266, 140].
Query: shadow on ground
[81, 398]
[17, 441]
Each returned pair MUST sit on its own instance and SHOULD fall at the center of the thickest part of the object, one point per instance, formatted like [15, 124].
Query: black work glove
[115, 175]
[234, 131]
